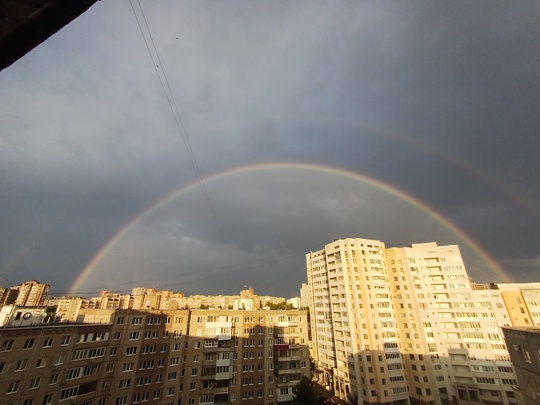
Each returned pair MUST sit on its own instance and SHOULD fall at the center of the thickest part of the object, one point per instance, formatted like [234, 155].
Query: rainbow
[156, 205]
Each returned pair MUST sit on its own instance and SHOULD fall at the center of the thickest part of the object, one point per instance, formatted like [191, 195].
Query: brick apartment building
[121, 357]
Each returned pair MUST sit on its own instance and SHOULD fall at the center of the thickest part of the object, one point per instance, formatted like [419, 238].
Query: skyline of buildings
[396, 326]
[126, 356]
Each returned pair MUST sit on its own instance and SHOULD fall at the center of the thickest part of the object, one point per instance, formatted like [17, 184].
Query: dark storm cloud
[437, 99]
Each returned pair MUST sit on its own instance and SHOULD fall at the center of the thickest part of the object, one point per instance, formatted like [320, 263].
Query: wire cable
[169, 95]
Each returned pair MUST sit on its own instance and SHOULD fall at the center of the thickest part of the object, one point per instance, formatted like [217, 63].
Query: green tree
[314, 371]
[305, 393]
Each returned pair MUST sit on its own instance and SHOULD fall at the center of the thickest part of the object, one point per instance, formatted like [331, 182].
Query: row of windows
[7, 345]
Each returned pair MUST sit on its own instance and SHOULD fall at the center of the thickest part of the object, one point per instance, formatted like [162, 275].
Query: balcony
[220, 390]
[286, 371]
[288, 358]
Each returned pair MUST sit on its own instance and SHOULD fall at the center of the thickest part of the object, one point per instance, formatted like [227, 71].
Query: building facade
[524, 347]
[400, 325]
[122, 357]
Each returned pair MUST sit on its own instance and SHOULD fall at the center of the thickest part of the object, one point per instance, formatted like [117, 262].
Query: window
[131, 350]
[34, 383]
[29, 343]
[121, 400]
[124, 383]
[136, 321]
[53, 379]
[73, 373]
[194, 371]
[206, 399]
[21, 365]
[65, 340]
[41, 362]
[48, 399]
[14, 387]
[48, 342]
[7, 345]
[69, 392]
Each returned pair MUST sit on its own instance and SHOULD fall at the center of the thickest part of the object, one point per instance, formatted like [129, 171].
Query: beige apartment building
[354, 331]
[404, 325]
[30, 293]
[121, 357]
[450, 333]
[523, 302]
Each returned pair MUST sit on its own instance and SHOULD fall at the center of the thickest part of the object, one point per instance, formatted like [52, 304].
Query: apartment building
[354, 334]
[53, 363]
[402, 325]
[450, 333]
[247, 357]
[123, 357]
[30, 293]
[524, 348]
[522, 301]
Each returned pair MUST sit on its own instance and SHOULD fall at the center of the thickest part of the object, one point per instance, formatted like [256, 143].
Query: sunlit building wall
[419, 298]
[31, 293]
[68, 309]
[531, 296]
[450, 333]
[305, 295]
[353, 323]
[523, 302]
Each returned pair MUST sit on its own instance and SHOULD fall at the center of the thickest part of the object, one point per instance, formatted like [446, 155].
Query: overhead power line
[169, 96]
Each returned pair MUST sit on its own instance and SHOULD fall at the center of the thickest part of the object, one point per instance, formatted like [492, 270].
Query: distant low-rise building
[305, 295]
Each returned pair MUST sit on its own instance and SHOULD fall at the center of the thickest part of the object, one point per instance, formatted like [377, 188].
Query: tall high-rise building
[395, 325]
[353, 324]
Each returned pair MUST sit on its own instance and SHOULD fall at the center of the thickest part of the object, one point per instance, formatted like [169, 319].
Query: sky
[206, 147]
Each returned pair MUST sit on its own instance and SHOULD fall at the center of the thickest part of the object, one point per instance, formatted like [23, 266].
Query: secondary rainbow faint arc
[282, 166]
